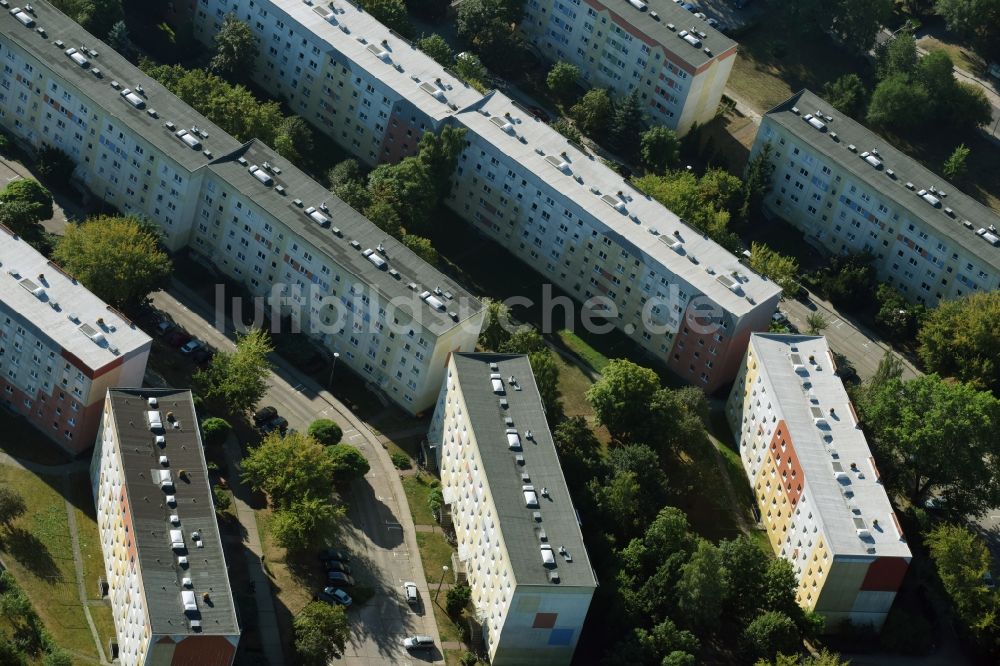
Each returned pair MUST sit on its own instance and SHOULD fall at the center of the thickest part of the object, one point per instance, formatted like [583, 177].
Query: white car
[418, 642]
[779, 317]
[410, 591]
[192, 344]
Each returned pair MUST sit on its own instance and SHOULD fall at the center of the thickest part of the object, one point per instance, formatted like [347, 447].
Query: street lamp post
[333, 366]
[444, 570]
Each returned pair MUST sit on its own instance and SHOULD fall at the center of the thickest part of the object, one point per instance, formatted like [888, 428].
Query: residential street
[379, 535]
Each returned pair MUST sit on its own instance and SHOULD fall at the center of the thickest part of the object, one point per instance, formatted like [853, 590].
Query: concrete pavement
[379, 531]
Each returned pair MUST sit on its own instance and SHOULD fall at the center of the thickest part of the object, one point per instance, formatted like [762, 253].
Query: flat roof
[905, 170]
[63, 33]
[387, 56]
[162, 576]
[655, 21]
[521, 532]
[62, 309]
[640, 223]
[828, 444]
[353, 227]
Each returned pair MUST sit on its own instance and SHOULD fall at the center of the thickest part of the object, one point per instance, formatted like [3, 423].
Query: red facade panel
[885, 574]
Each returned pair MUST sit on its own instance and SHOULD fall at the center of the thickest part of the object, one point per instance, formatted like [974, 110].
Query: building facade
[61, 347]
[163, 558]
[241, 209]
[676, 61]
[815, 480]
[687, 302]
[849, 191]
[517, 532]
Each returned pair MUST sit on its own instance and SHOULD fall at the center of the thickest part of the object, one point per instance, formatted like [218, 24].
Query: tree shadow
[30, 553]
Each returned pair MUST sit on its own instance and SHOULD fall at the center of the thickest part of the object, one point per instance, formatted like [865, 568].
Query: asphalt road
[379, 533]
[861, 347]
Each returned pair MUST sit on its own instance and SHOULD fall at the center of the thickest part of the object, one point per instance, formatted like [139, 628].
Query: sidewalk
[267, 621]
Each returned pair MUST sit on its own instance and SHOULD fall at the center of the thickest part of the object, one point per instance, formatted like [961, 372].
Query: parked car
[418, 642]
[339, 579]
[178, 339]
[335, 595]
[202, 356]
[164, 327]
[539, 113]
[279, 423]
[191, 345]
[263, 415]
[988, 581]
[333, 554]
[779, 317]
[410, 592]
[334, 565]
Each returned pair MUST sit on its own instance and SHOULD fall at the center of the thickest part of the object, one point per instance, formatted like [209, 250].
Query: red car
[539, 113]
[178, 339]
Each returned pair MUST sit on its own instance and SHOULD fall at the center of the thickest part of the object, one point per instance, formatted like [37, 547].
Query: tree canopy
[321, 633]
[913, 428]
[562, 80]
[438, 48]
[659, 149]
[962, 561]
[348, 463]
[593, 112]
[25, 203]
[289, 468]
[97, 16]
[238, 378]
[326, 432]
[621, 398]
[12, 506]
[848, 94]
[782, 269]
[490, 26]
[303, 522]
[977, 21]
[960, 338]
[117, 258]
[235, 49]
[391, 13]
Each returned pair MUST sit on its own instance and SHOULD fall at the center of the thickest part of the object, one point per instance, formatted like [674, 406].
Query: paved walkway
[267, 621]
[74, 534]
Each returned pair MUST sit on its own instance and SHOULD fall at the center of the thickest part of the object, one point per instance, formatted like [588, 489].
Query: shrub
[214, 430]
[54, 165]
[400, 460]
[222, 499]
[435, 500]
[326, 432]
[458, 598]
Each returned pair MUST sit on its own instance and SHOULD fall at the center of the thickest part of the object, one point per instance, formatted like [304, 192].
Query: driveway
[379, 532]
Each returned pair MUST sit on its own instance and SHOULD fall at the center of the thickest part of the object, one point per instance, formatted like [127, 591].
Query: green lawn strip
[418, 489]
[587, 354]
[38, 551]
[104, 622]
[435, 552]
[448, 630]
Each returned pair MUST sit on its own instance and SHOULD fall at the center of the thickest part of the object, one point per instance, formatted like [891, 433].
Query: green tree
[579, 451]
[848, 94]
[12, 506]
[850, 280]
[816, 323]
[593, 113]
[635, 489]
[651, 565]
[491, 27]
[55, 657]
[913, 428]
[896, 316]
[744, 566]
[15, 606]
[897, 56]
[346, 171]
[294, 139]
[30, 192]
[665, 644]
[626, 126]
[621, 397]
[562, 81]
[524, 340]
[471, 69]
[783, 270]
[10, 654]
[391, 13]
[223, 500]
[97, 16]
[238, 378]
[348, 463]
[960, 338]
[955, 167]
[117, 258]
[977, 21]
[437, 48]
[757, 181]
[856, 23]
[438, 154]
[22, 219]
[54, 165]
[497, 325]
[326, 432]
[659, 149]
[458, 598]
[680, 191]
[302, 523]
[384, 214]
[408, 185]
[119, 39]
[771, 633]
[215, 430]
[962, 561]
[235, 49]
[567, 129]
[700, 587]
[422, 247]
[899, 105]
[355, 195]
[546, 372]
[289, 468]
[321, 633]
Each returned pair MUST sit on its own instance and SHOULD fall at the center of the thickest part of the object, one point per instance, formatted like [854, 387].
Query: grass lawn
[961, 57]
[435, 552]
[418, 489]
[770, 67]
[104, 621]
[593, 358]
[449, 630]
[39, 553]
[22, 440]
